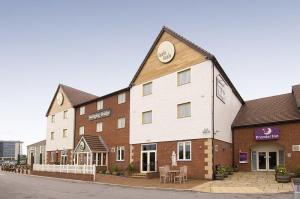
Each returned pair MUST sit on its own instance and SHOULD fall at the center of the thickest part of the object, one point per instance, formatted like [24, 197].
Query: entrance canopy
[91, 150]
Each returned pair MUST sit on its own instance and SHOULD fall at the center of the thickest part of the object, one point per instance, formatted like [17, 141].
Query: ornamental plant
[131, 168]
[281, 170]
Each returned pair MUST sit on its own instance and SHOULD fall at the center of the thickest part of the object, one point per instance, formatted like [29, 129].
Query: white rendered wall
[60, 143]
[163, 102]
[225, 113]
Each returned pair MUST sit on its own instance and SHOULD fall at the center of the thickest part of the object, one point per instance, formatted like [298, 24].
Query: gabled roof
[43, 142]
[268, 110]
[296, 92]
[75, 96]
[95, 143]
[104, 96]
[208, 56]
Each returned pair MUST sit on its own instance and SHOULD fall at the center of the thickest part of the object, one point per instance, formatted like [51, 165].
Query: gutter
[213, 121]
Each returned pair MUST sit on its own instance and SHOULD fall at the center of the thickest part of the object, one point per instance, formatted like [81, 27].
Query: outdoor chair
[180, 177]
[185, 173]
[163, 174]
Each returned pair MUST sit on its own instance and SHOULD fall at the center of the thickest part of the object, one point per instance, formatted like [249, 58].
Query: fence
[76, 169]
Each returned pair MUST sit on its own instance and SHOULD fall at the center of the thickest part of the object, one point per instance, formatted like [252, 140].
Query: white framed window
[183, 77]
[120, 153]
[52, 118]
[184, 110]
[66, 114]
[147, 117]
[99, 127]
[82, 110]
[221, 87]
[121, 98]
[184, 151]
[65, 133]
[147, 89]
[53, 154]
[100, 105]
[52, 135]
[121, 122]
[81, 130]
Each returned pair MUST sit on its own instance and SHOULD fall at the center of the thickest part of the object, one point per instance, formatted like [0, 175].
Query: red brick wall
[164, 152]
[111, 135]
[244, 139]
[223, 152]
[85, 177]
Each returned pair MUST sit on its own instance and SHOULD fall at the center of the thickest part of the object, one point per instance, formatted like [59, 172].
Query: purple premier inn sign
[267, 133]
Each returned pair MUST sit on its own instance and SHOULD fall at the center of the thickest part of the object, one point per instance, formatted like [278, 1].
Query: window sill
[184, 160]
[120, 160]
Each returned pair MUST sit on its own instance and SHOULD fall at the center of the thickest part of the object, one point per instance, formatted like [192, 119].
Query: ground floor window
[120, 153]
[184, 150]
[99, 159]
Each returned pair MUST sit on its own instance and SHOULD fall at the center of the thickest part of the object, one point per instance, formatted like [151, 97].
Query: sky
[97, 46]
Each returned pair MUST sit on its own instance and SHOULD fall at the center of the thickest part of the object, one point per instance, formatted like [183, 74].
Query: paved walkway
[143, 182]
[246, 182]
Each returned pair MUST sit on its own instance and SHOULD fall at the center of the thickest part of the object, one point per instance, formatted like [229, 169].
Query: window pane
[121, 98]
[100, 105]
[99, 127]
[147, 89]
[187, 150]
[147, 117]
[121, 122]
[184, 110]
[180, 151]
[184, 77]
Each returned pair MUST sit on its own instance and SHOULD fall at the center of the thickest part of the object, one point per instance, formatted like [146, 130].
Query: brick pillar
[208, 159]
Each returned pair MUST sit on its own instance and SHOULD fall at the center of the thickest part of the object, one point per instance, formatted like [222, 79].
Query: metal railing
[76, 169]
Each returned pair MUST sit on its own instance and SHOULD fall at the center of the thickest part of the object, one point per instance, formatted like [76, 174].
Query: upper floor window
[121, 122]
[120, 153]
[184, 110]
[100, 105]
[52, 135]
[121, 98]
[184, 150]
[65, 114]
[147, 89]
[81, 130]
[99, 127]
[221, 86]
[65, 133]
[82, 110]
[52, 118]
[184, 77]
[147, 117]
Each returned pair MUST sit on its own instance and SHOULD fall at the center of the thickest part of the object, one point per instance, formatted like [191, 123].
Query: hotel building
[61, 124]
[183, 103]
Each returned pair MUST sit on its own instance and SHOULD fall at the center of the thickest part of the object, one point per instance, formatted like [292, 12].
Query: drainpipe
[213, 121]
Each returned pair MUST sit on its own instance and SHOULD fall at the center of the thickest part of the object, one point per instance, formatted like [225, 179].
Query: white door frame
[266, 159]
[148, 158]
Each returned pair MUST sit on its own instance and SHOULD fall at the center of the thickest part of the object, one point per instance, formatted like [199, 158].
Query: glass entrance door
[272, 160]
[149, 161]
[262, 161]
[148, 158]
[266, 160]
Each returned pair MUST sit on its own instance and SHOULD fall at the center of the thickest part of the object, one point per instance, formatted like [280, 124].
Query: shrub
[114, 168]
[298, 172]
[131, 168]
[281, 170]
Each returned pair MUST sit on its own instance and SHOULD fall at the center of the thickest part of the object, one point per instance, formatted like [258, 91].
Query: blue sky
[97, 46]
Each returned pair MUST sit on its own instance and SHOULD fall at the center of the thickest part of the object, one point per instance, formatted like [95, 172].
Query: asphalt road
[16, 186]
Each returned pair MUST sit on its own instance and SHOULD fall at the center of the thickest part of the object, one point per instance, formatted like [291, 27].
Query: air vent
[296, 148]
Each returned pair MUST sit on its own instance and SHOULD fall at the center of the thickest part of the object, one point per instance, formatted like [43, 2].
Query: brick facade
[196, 167]
[111, 135]
[244, 139]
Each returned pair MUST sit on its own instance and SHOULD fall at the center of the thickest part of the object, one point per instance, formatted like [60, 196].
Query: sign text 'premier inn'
[267, 133]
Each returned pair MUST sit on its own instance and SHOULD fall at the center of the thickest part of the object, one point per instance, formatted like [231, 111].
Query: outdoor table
[173, 174]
